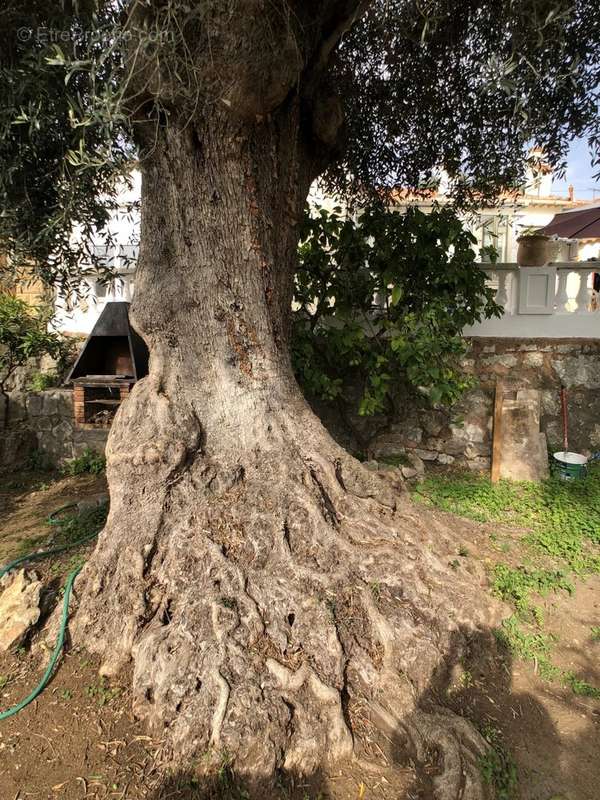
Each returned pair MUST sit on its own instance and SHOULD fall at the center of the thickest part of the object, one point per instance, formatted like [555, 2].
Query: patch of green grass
[88, 462]
[595, 629]
[579, 687]
[74, 527]
[497, 766]
[536, 647]
[517, 585]
[563, 516]
[563, 521]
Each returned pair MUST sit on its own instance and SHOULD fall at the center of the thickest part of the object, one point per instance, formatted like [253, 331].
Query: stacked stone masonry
[49, 415]
[463, 435]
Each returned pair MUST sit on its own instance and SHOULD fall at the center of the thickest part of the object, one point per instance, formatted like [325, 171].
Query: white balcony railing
[554, 301]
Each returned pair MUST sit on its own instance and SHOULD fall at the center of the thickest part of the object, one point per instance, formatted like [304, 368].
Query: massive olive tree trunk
[264, 586]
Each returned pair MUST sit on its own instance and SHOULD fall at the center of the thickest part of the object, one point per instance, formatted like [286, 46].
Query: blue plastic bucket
[570, 466]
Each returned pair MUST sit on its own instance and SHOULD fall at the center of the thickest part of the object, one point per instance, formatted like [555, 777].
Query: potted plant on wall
[533, 250]
[488, 254]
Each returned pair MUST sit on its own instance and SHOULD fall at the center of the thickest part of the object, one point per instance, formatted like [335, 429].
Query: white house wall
[79, 315]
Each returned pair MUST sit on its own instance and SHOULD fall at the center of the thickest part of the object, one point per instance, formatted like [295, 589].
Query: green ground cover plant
[497, 766]
[89, 461]
[74, 527]
[561, 519]
[67, 529]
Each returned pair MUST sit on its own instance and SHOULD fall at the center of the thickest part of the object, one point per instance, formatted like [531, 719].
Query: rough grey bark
[264, 586]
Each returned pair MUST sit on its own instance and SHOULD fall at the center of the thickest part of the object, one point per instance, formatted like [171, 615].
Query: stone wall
[463, 436]
[49, 417]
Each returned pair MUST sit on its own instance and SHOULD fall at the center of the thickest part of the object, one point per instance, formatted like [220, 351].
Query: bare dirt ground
[26, 500]
[79, 739]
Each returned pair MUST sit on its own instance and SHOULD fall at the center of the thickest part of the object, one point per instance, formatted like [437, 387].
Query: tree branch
[352, 12]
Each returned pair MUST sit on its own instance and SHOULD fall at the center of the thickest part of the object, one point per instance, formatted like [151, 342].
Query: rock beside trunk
[19, 609]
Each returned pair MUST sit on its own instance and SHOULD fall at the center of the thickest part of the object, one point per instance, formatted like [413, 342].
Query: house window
[493, 231]
[105, 255]
[128, 255]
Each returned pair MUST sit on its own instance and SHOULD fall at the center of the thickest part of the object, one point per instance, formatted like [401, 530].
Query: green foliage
[24, 334]
[40, 381]
[579, 687]
[536, 646]
[489, 253]
[422, 268]
[88, 462]
[498, 767]
[409, 63]
[102, 692]
[529, 646]
[63, 132]
[595, 631]
[494, 77]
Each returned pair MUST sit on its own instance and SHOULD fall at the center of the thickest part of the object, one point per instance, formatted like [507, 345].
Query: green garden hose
[39, 556]
[64, 616]
[55, 655]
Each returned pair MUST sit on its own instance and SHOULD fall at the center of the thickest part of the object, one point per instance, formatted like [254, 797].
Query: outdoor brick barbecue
[113, 358]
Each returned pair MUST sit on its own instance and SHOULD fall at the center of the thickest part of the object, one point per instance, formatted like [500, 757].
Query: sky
[579, 173]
